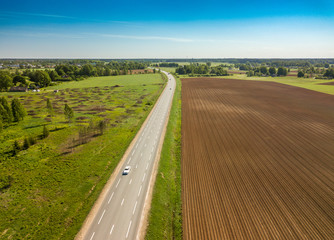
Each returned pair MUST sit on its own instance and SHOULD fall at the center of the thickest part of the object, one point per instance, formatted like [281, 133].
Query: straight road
[121, 212]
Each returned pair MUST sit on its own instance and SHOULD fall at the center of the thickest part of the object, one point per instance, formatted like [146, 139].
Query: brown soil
[327, 83]
[140, 71]
[257, 161]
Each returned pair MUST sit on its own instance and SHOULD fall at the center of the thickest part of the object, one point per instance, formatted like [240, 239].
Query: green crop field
[165, 220]
[54, 183]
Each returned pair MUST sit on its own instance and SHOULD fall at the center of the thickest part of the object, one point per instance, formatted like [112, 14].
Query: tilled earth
[257, 161]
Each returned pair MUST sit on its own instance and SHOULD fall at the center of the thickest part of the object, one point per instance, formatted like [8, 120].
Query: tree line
[165, 64]
[203, 69]
[9, 113]
[265, 71]
[65, 72]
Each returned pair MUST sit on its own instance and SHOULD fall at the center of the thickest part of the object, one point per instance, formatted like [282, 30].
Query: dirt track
[257, 161]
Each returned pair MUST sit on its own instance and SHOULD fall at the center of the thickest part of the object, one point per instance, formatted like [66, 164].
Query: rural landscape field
[178, 120]
[58, 178]
[257, 160]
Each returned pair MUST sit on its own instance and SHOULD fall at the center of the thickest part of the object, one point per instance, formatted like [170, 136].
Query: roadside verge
[165, 217]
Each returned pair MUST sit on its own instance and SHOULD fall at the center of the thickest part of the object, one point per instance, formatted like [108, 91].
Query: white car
[126, 170]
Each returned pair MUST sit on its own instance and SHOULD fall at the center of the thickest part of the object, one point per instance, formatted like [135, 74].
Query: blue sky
[169, 29]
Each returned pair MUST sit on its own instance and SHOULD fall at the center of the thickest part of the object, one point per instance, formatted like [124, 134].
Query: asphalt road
[121, 211]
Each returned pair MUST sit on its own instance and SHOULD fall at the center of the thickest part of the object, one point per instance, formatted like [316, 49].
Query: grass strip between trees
[165, 219]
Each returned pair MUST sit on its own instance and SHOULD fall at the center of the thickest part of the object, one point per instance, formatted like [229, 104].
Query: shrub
[46, 132]
[16, 148]
[300, 74]
[26, 143]
[32, 140]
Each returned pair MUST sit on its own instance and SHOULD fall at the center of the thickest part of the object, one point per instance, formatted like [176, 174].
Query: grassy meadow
[308, 83]
[165, 219]
[55, 182]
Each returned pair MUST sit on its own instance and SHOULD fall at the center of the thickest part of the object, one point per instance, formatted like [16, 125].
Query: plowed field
[257, 161]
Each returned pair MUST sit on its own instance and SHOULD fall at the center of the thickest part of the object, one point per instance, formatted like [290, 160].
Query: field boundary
[165, 218]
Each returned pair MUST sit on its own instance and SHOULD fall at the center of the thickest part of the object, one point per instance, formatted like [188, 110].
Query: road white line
[101, 216]
[111, 197]
[141, 154]
[139, 191]
[144, 177]
[112, 228]
[127, 233]
[145, 145]
[146, 166]
[133, 152]
[92, 236]
[134, 209]
[122, 202]
[118, 183]
[129, 160]
[150, 156]
[130, 181]
[136, 165]
[152, 149]
[142, 134]
[137, 145]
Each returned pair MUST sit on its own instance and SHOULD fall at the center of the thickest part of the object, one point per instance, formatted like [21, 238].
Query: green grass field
[55, 182]
[168, 69]
[165, 220]
[308, 83]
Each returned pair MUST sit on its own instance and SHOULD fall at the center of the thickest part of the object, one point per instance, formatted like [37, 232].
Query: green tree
[272, 70]
[87, 70]
[1, 125]
[16, 147]
[46, 132]
[300, 74]
[102, 126]
[5, 110]
[26, 143]
[68, 113]
[32, 140]
[4, 115]
[6, 81]
[329, 73]
[49, 107]
[263, 70]
[282, 71]
[41, 78]
[18, 110]
[250, 73]
[53, 75]
[19, 79]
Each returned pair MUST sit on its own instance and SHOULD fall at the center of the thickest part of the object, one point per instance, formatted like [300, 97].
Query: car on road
[126, 170]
